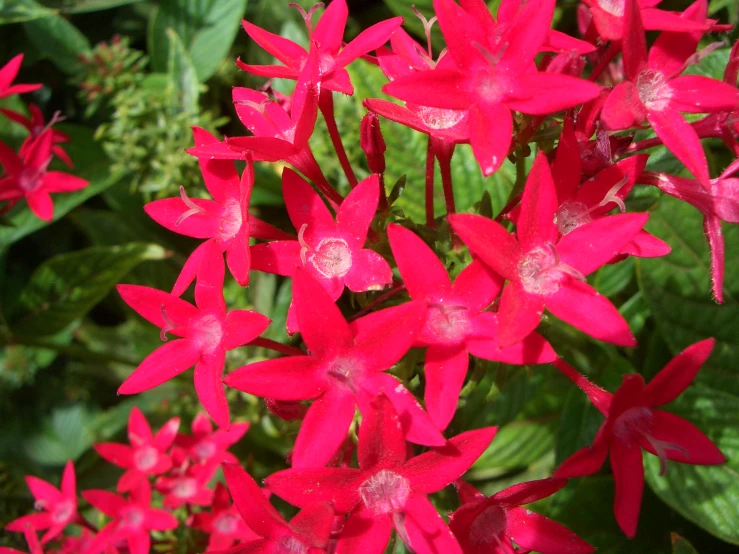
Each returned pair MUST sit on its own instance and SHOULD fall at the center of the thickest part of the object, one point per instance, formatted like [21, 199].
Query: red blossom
[223, 522]
[187, 486]
[37, 125]
[8, 73]
[206, 446]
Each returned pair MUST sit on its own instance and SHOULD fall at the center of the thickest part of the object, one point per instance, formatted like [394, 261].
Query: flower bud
[371, 141]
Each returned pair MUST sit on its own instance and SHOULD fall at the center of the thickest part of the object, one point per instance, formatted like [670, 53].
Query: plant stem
[430, 186]
[73, 351]
[326, 105]
[444, 152]
[270, 344]
[377, 301]
[613, 49]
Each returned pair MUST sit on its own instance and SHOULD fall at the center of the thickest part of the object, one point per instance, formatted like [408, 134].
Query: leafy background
[68, 341]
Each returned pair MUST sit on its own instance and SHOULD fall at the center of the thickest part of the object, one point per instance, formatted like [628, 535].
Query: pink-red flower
[37, 125]
[223, 523]
[485, 525]
[547, 271]
[56, 508]
[345, 368]
[29, 176]
[307, 533]
[331, 251]
[455, 322]
[133, 519]
[207, 332]
[187, 486]
[147, 453]
[206, 446]
[8, 73]
[388, 490]
[633, 424]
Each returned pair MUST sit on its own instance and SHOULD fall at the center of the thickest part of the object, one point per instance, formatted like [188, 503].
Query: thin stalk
[326, 105]
[276, 346]
[74, 351]
[613, 49]
[444, 152]
[377, 301]
[430, 186]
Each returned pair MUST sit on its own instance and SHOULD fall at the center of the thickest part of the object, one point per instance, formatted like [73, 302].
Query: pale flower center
[210, 331]
[145, 458]
[290, 545]
[488, 526]
[385, 492]
[132, 517]
[226, 524]
[29, 179]
[204, 450]
[437, 118]
[570, 216]
[541, 271]
[449, 323]
[62, 511]
[232, 220]
[653, 89]
[185, 487]
[614, 7]
[331, 257]
[346, 370]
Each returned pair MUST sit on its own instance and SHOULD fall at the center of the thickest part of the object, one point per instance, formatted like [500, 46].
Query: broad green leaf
[183, 78]
[90, 162]
[613, 278]
[67, 435]
[578, 424]
[17, 11]
[82, 6]
[58, 40]
[64, 288]
[207, 30]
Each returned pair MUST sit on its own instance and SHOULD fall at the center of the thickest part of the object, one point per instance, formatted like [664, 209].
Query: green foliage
[16, 11]
[60, 41]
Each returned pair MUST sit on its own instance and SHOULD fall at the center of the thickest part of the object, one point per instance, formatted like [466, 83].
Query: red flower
[133, 519]
[327, 38]
[455, 322]
[207, 332]
[147, 454]
[345, 368]
[8, 73]
[223, 523]
[388, 490]
[632, 424]
[546, 272]
[35, 126]
[487, 525]
[495, 75]
[205, 446]
[225, 220]
[306, 533]
[57, 508]
[331, 251]
[28, 177]
[188, 486]
[655, 91]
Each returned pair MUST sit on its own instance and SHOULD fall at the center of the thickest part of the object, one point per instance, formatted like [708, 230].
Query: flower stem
[444, 152]
[430, 186]
[613, 49]
[399, 287]
[270, 344]
[326, 105]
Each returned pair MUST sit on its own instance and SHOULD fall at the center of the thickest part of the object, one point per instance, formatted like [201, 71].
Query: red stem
[377, 301]
[277, 346]
[326, 105]
[430, 186]
[613, 49]
[306, 163]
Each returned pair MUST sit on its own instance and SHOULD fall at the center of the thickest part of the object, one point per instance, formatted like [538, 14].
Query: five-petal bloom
[223, 522]
[8, 73]
[206, 446]
[207, 332]
[387, 490]
[633, 424]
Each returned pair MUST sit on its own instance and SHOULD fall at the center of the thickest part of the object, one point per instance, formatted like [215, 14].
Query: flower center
[488, 526]
[204, 450]
[62, 511]
[29, 179]
[210, 331]
[290, 545]
[570, 216]
[653, 89]
[346, 370]
[185, 487]
[132, 517]
[450, 324]
[614, 7]
[332, 257]
[232, 220]
[541, 271]
[437, 118]
[226, 524]
[145, 458]
[385, 492]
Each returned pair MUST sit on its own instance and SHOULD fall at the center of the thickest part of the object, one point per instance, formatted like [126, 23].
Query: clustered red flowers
[499, 81]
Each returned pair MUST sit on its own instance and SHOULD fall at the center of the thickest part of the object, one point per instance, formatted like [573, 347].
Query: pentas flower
[37, 125]
[327, 36]
[34, 546]
[387, 490]
[206, 446]
[485, 525]
[187, 487]
[8, 73]
[223, 523]
[147, 453]
[495, 75]
[306, 533]
[345, 368]
[545, 271]
[207, 332]
[719, 201]
[56, 508]
[133, 519]
[633, 424]
[656, 92]
[456, 324]
[224, 221]
[331, 251]
[29, 177]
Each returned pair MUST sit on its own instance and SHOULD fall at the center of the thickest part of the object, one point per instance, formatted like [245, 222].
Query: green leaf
[90, 163]
[207, 30]
[17, 11]
[681, 545]
[66, 437]
[58, 40]
[64, 288]
[183, 78]
[83, 6]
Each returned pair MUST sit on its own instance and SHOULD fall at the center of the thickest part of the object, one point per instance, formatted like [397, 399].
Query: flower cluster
[26, 172]
[500, 81]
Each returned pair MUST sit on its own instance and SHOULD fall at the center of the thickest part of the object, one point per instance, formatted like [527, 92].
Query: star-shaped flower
[56, 508]
[488, 525]
[8, 73]
[633, 424]
[331, 251]
[206, 446]
[455, 322]
[545, 271]
[147, 453]
[207, 332]
[187, 486]
[345, 368]
[388, 490]
[223, 523]
[37, 125]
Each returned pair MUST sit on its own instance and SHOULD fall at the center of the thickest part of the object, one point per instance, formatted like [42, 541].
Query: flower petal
[253, 505]
[681, 139]
[424, 276]
[489, 241]
[314, 523]
[240, 327]
[303, 487]
[357, 210]
[528, 492]
[209, 283]
[202, 225]
[588, 460]
[476, 286]
[208, 379]
[304, 205]
[441, 88]
[426, 529]
[533, 531]
[369, 271]
[120, 455]
[534, 349]
[381, 441]
[445, 370]
[107, 502]
[221, 178]
[519, 314]
[281, 48]
[368, 40]
[160, 520]
[364, 532]
[628, 473]
[329, 30]
[164, 438]
[623, 109]
[538, 206]
[712, 229]
[189, 270]
[149, 304]
[289, 379]
[56, 181]
[634, 40]
[697, 94]
[562, 92]
[41, 205]
[160, 366]
[491, 128]
[677, 375]
[673, 430]
[281, 257]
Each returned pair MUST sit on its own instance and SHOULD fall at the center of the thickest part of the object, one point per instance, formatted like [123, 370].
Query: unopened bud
[371, 141]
